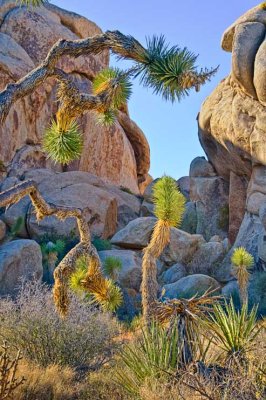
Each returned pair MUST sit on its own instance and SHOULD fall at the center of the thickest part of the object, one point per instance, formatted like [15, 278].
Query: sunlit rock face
[232, 120]
[119, 155]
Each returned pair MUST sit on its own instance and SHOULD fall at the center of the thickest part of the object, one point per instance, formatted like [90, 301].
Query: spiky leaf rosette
[115, 83]
[242, 257]
[112, 266]
[75, 282]
[242, 261]
[170, 71]
[106, 118]
[63, 146]
[169, 201]
[104, 291]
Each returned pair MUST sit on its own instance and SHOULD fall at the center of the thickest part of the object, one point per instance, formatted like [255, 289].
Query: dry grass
[51, 383]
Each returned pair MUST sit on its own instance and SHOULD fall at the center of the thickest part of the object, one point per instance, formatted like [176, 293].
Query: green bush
[102, 244]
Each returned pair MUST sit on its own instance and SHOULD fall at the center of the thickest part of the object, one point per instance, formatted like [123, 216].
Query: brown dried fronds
[8, 372]
[193, 308]
[194, 79]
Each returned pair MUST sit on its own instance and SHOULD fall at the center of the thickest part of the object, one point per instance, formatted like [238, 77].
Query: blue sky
[171, 129]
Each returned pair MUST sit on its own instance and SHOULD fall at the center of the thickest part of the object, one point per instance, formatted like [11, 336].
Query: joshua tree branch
[43, 209]
[125, 46]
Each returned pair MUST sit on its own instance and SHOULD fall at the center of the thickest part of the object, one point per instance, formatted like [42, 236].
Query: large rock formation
[120, 154]
[232, 128]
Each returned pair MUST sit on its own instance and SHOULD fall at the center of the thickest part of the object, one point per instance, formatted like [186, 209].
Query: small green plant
[242, 261]
[17, 226]
[155, 353]
[112, 266]
[63, 145]
[101, 244]
[234, 330]
[8, 370]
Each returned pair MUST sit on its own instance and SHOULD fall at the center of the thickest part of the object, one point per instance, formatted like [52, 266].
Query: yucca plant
[234, 330]
[88, 278]
[242, 261]
[155, 353]
[189, 315]
[169, 208]
[63, 144]
[112, 266]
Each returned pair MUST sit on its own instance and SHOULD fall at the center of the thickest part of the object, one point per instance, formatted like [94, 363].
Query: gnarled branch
[125, 46]
[43, 209]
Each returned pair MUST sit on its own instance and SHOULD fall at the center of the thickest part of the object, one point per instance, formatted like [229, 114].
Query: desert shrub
[31, 323]
[101, 244]
[50, 383]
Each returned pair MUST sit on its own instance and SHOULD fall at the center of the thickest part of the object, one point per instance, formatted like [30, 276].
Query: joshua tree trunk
[149, 287]
[43, 209]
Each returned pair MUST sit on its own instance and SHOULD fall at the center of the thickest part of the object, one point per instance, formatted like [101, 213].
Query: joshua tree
[242, 261]
[169, 71]
[169, 209]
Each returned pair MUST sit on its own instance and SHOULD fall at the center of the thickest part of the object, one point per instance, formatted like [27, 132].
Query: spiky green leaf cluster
[234, 331]
[63, 146]
[241, 257]
[75, 282]
[53, 247]
[169, 201]
[33, 3]
[115, 83]
[163, 69]
[164, 66]
[112, 266]
[106, 118]
[155, 353]
[113, 299]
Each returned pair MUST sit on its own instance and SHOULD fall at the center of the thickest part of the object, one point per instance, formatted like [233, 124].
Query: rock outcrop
[232, 127]
[108, 208]
[120, 154]
[20, 260]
